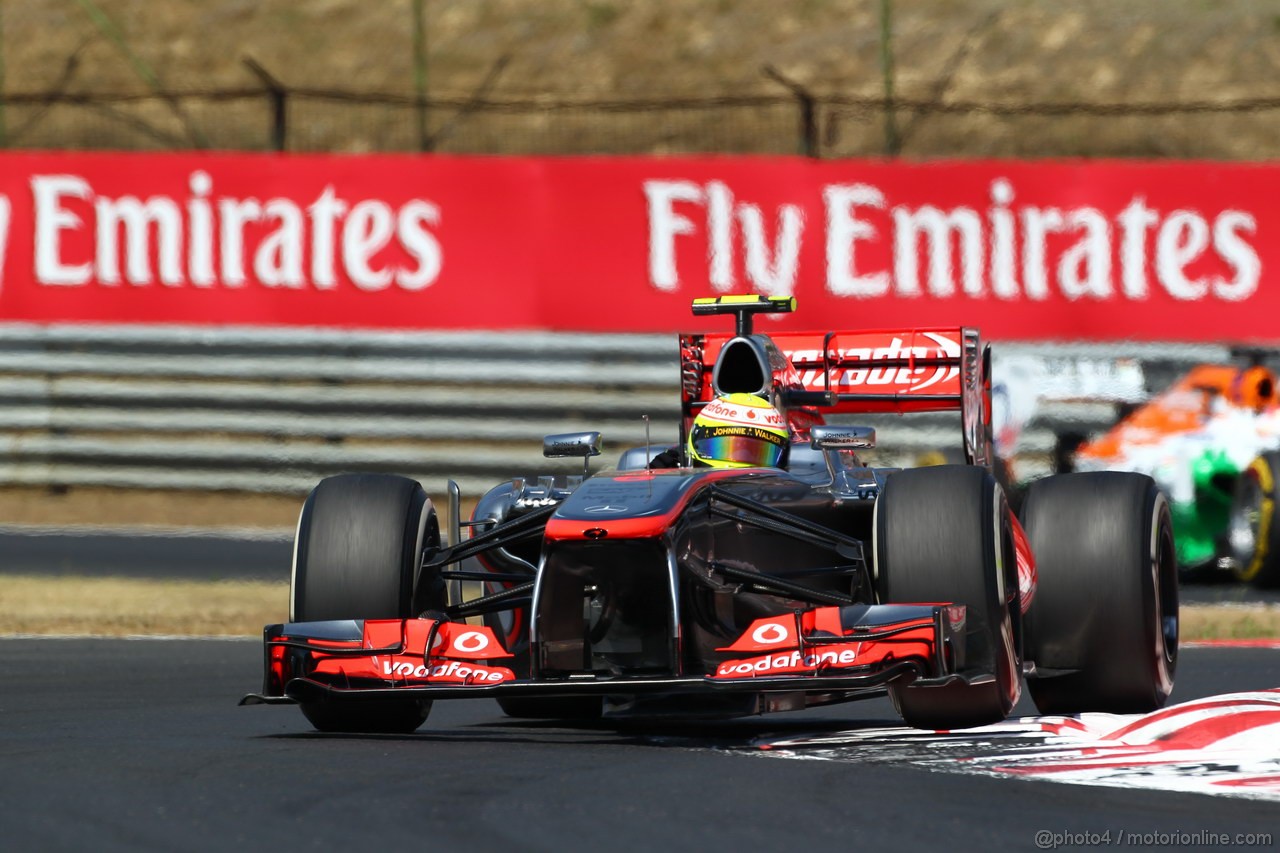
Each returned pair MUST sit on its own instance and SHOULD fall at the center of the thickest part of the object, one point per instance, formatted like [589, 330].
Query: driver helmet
[739, 431]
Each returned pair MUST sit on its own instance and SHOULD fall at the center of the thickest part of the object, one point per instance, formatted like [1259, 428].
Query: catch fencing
[275, 117]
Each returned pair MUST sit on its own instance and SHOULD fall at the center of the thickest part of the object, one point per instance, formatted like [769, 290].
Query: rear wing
[811, 374]
[884, 371]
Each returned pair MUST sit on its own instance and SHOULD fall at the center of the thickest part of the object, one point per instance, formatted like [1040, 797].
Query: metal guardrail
[274, 410]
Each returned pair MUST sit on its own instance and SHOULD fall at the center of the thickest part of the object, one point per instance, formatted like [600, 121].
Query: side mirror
[829, 437]
[580, 444]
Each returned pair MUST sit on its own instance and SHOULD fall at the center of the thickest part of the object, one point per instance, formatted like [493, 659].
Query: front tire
[1105, 612]
[943, 535]
[357, 551]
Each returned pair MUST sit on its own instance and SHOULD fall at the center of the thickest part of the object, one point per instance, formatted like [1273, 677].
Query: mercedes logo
[602, 508]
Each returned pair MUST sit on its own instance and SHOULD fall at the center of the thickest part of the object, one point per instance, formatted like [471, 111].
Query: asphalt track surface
[133, 745]
[189, 554]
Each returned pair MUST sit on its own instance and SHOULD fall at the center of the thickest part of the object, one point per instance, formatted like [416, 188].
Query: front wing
[851, 649]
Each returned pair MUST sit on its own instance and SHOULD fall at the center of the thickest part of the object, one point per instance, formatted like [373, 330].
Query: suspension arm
[526, 525]
[502, 600]
[772, 583]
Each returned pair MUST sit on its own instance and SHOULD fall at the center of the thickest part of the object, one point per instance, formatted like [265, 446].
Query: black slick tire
[359, 544]
[1102, 629]
[942, 534]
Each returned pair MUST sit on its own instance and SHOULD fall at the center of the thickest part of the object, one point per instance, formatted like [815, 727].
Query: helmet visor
[741, 445]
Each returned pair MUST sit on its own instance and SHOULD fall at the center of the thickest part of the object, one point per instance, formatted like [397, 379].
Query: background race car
[1210, 440]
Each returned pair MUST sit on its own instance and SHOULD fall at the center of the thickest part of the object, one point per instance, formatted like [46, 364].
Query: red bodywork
[395, 651]
[806, 374]
[420, 654]
[815, 642]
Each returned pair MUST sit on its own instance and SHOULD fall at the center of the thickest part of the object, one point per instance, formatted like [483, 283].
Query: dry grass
[1026, 52]
[1217, 622]
[126, 606]
[129, 606]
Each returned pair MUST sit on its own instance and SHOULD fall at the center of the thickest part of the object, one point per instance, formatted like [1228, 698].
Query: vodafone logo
[452, 671]
[720, 409]
[841, 656]
[470, 642]
[770, 633]
[763, 415]
[914, 379]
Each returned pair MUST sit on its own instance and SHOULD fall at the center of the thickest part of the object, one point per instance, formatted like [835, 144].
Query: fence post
[4, 102]
[278, 96]
[420, 71]
[892, 141]
[808, 110]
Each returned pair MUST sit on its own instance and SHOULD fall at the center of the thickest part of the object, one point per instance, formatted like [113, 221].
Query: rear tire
[1253, 534]
[358, 548]
[943, 535]
[1106, 602]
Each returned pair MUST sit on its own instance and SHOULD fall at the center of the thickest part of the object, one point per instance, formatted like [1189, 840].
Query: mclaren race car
[659, 588]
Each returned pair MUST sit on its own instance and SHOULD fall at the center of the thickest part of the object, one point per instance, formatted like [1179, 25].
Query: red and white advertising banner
[1022, 250]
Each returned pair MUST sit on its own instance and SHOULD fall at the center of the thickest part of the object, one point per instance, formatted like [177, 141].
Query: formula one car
[1212, 442]
[662, 589]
